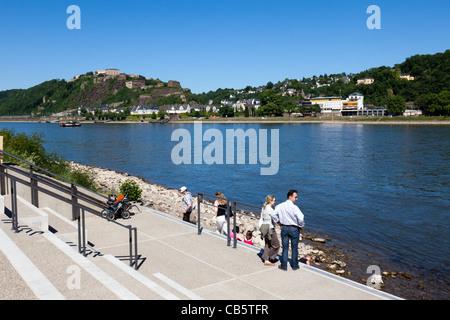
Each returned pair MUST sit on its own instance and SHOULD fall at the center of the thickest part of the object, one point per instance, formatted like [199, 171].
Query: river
[378, 189]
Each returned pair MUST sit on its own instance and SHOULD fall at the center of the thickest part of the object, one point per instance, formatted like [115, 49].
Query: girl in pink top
[248, 237]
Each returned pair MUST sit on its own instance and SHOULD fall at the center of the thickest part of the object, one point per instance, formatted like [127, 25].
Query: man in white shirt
[291, 219]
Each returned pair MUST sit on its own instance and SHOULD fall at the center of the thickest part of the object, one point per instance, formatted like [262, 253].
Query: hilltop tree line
[429, 91]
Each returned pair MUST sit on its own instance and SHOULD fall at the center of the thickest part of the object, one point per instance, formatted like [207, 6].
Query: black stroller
[119, 207]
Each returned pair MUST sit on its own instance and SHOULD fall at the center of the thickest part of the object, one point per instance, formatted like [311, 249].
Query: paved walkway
[175, 263]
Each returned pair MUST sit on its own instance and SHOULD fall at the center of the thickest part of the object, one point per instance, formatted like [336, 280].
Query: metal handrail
[51, 173]
[71, 191]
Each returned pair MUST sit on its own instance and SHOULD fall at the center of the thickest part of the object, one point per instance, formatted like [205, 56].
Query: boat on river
[70, 124]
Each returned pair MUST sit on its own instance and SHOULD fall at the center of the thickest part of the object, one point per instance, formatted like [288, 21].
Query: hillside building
[366, 80]
[353, 104]
[406, 76]
[112, 72]
[328, 105]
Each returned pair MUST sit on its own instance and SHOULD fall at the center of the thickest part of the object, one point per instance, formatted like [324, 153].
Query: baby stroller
[119, 207]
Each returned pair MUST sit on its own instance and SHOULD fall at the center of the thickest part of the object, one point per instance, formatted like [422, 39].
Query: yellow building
[328, 105]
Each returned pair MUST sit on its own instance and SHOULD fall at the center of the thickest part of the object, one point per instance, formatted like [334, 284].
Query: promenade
[175, 263]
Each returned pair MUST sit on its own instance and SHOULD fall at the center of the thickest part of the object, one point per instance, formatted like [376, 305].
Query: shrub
[131, 189]
[31, 148]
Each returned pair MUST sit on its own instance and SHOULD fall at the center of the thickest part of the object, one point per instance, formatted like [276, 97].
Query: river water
[378, 189]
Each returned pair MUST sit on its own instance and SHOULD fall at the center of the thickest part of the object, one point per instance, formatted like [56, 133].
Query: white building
[328, 105]
[355, 101]
[144, 110]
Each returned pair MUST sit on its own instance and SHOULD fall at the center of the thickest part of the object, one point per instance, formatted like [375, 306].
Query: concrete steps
[44, 263]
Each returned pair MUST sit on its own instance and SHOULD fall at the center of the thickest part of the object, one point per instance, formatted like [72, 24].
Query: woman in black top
[220, 207]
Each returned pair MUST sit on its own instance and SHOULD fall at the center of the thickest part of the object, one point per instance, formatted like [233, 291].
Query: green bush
[131, 189]
[31, 148]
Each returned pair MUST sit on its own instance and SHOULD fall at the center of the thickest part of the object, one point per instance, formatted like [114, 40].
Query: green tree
[270, 96]
[315, 108]
[98, 113]
[396, 105]
[162, 113]
[302, 109]
[289, 107]
[429, 103]
[444, 100]
[246, 112]
[226, 111]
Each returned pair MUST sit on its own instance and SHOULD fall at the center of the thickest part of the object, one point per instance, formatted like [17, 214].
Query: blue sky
[213, 44]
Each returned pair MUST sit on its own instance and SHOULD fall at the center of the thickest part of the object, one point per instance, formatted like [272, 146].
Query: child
[249, 237]
[238, 235]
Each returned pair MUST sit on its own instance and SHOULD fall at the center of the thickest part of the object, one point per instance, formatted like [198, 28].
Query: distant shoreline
[424, 122]
[267, 121]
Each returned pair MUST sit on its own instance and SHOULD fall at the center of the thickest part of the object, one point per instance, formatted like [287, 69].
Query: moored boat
[70, 124]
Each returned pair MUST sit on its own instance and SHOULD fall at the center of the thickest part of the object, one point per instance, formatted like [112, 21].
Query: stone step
[134, 281]
[37, 282]
[51, 268]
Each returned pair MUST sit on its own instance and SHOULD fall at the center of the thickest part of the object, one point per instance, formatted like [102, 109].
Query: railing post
[135, 249]
[34, 190]
[79, 234]
[83, 230]
[199, 201]
[2, 181]
[228, 223]
[234, 225]
[133, 257]
[14, 217]
[2, 169]
[130, 243]
[75, 209]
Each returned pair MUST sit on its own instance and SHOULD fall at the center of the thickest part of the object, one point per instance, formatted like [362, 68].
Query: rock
[340, 263]
[321, 240]
[331, 266]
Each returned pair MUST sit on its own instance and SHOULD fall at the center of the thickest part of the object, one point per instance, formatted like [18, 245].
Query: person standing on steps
[220, 207]
[291, 220]
[188, 204]
[268, 234]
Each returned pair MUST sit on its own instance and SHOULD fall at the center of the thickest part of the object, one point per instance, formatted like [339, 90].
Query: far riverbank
[266, 120]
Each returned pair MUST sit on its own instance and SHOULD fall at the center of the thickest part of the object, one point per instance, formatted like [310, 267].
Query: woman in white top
[268, 232]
